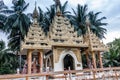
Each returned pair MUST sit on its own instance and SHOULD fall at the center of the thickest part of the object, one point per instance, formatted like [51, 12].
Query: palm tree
[8, 60]
[17, 24]
[43, 20]
[2, 21]
[49, 16]
[78, 19]
[2, 16]
[96, 24]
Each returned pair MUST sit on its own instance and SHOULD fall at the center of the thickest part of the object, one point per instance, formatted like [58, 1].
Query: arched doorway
[48, 64]
[68, 62]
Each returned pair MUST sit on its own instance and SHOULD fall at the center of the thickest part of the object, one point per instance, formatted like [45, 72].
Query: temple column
[100, 59]
[41, 60]
[29, 60]
[94, 60]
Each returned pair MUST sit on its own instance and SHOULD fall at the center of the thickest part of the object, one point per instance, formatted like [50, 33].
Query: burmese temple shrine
[61, 48]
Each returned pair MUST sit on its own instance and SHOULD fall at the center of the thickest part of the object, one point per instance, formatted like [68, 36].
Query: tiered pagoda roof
[94, 43]
[36, 38]
[61, 33]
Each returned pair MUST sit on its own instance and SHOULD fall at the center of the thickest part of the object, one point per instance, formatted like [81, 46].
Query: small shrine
[61, 49]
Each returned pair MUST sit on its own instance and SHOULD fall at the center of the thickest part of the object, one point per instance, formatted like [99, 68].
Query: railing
[86, 74]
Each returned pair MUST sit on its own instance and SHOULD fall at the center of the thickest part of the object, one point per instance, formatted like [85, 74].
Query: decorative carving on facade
[35, 38]
[94, 42]
[78, 54]
[61, 33]
[59, 51]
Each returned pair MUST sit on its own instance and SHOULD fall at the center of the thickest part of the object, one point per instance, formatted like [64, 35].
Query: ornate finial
[35, 12]
[58, 9]
[88, 24]
[87, 21]
[57, 2]
[35, 3]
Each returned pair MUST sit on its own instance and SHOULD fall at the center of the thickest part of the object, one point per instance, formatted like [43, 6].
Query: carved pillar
[41, 60]
[94, 60]
[100, 59]
[29, 60]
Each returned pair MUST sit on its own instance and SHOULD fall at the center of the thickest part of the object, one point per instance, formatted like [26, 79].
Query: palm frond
[7, 11]
[25, 7]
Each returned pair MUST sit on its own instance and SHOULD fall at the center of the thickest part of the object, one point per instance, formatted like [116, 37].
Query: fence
[85, 74]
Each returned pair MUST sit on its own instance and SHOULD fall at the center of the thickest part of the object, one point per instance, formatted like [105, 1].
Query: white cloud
[111, 36]
[8, 2]
[96, 4]
[75, 2]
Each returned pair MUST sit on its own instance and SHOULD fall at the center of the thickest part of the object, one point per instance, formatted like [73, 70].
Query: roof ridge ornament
[88, 24]
[35, 12]
[58, 11]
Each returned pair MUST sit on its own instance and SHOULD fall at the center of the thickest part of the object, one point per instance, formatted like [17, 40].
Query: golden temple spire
[35, 12]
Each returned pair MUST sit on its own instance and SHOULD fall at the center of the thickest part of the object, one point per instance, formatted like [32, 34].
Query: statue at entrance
[24, 71]
[34, 67]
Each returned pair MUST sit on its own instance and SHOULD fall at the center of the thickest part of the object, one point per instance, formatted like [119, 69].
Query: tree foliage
[3, 17]
[17, 24]
[8, 60]
[79, 17]
[79, 21]
[96, 24]
[112, 57]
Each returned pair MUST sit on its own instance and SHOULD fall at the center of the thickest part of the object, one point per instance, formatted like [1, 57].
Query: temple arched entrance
[69, 62]
[48, 62]
[66, 59]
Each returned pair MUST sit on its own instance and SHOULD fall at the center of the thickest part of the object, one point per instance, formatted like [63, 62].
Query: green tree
[43, 20]
[79, 17]
[2, 16]
[79, 21]
[111, 58]
[8, 60]
[96, 24]
[115, 45]
[17, 24]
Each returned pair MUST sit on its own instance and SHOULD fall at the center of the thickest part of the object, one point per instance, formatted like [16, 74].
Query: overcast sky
[109, 9]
